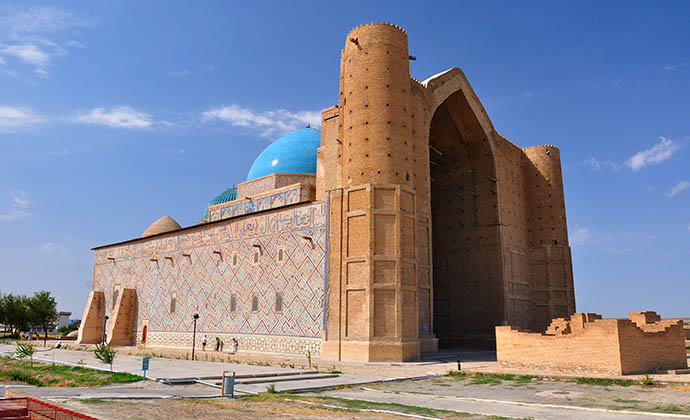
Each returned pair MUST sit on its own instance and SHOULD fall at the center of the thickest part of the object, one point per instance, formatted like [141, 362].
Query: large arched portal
[465, 228]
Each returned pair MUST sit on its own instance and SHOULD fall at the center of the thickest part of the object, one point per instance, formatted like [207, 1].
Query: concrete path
[164, 369]
[497, 407]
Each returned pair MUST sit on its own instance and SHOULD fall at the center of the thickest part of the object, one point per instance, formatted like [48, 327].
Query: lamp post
[105, 320]
[195, 317]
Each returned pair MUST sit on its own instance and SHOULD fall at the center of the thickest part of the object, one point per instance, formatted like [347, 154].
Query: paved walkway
[496, 407]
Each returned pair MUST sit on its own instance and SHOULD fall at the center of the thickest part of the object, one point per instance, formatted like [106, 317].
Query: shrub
[105, 354]
[24, 350]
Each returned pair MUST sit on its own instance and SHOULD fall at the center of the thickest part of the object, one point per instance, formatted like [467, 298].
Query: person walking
[217, 343]
[203, 343]
[222, 344]
[233, 346]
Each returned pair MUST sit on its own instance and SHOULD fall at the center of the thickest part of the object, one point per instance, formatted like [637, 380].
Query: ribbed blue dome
[228, 195]
[292, 154]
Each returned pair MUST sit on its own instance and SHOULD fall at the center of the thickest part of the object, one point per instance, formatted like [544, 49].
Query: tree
[43, 312]
[25, 350]
[73, 326]
[14, 312]
[105, 354]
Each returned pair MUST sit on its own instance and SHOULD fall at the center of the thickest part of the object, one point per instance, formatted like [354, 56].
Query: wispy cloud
[580, 236]
[52, 247]
[654, 155]
[18, 207]
[616, 84]
[14, 119]
[270, 124]
[23, 32]
[674, 67]
[60, 153]
[680, 186]
[180, 73]
[75, 44]
[596, 165]
[119, 117]
[528, 94]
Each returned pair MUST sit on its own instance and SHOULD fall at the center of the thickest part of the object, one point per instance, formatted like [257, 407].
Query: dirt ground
[249, 409]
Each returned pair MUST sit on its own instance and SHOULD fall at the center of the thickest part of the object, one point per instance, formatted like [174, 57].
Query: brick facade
[640, 344]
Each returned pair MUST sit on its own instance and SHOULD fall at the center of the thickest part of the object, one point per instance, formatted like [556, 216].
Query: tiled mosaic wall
[292, 194]
[204, 267]
[254, 343]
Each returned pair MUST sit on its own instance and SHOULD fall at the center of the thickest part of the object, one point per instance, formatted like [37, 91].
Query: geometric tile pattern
[203, 268]
[292, 194]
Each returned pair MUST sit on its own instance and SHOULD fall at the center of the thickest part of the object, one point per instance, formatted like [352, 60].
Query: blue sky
[113, 114]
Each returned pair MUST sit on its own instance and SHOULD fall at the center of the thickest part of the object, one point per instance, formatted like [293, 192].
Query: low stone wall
[254, 343]
[640, 344]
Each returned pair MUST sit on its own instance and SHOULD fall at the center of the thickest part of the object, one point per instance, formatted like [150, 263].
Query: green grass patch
[490, 378]
[403, 408]
[623, 401]
[605, 382]
[45, 374]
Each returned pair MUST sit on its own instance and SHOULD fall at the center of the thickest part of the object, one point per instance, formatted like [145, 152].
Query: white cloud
[596, 165]
[680, 186]
[28, 53]
[616, 83]
[60, 153]
[120, 117]
[593, 163]
[528, 94]
[580, 236]
[18, 207]
[673, 67]
[654, 155]
[23, 31]
[13, 119]
[271, 124]
[77, 44]
[180, 73]
[51, 247]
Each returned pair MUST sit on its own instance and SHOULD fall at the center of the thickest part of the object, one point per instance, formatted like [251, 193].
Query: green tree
[14, 313]
[25, 350]
[73, 326]
[43, 312]
[105, 354]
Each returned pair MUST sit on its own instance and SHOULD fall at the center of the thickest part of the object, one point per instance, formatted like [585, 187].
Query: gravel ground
[673, 398]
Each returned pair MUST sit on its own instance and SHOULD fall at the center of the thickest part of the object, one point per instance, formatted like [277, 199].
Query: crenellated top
[378, 23]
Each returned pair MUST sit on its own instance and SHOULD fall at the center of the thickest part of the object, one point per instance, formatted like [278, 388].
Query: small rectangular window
[256, 257]
[255, 304]
[233, 303]
[279, 302]
[281, 254]
[173, 303]
[234, 259]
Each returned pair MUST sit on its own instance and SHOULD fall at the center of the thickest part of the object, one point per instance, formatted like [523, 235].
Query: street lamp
[195, 317]
[105, 320]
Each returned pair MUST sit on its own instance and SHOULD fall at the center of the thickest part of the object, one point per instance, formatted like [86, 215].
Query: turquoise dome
[228, 195]
[292, 154]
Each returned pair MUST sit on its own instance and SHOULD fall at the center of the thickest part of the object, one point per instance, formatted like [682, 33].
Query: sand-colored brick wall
[614, 346]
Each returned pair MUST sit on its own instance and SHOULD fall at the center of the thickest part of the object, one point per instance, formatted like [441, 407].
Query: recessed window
[173, 303]
[116, 294]
[234, 259]
[256, 256]
[233, 303]
[279, 302]
[281, 255]
[255, 304]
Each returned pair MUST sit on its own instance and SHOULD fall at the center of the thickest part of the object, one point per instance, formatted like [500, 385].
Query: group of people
[220, 344]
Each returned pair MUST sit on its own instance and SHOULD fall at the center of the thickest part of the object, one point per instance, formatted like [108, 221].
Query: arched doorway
[144, 332]
[465, 229]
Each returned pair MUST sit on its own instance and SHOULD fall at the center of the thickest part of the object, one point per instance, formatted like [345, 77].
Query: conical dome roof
[164, 224]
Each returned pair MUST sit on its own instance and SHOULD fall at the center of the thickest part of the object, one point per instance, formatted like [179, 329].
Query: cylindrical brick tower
[375, 104]
[550, 260]
[545, 190]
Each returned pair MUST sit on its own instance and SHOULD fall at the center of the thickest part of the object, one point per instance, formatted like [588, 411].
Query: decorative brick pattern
[254, 343]
[207, 265]
[292, 194]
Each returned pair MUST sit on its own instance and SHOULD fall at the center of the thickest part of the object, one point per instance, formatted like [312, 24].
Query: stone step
[282, 378]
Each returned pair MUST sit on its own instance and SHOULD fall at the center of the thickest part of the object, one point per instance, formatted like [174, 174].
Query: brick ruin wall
[611, 346]
[210, 268]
